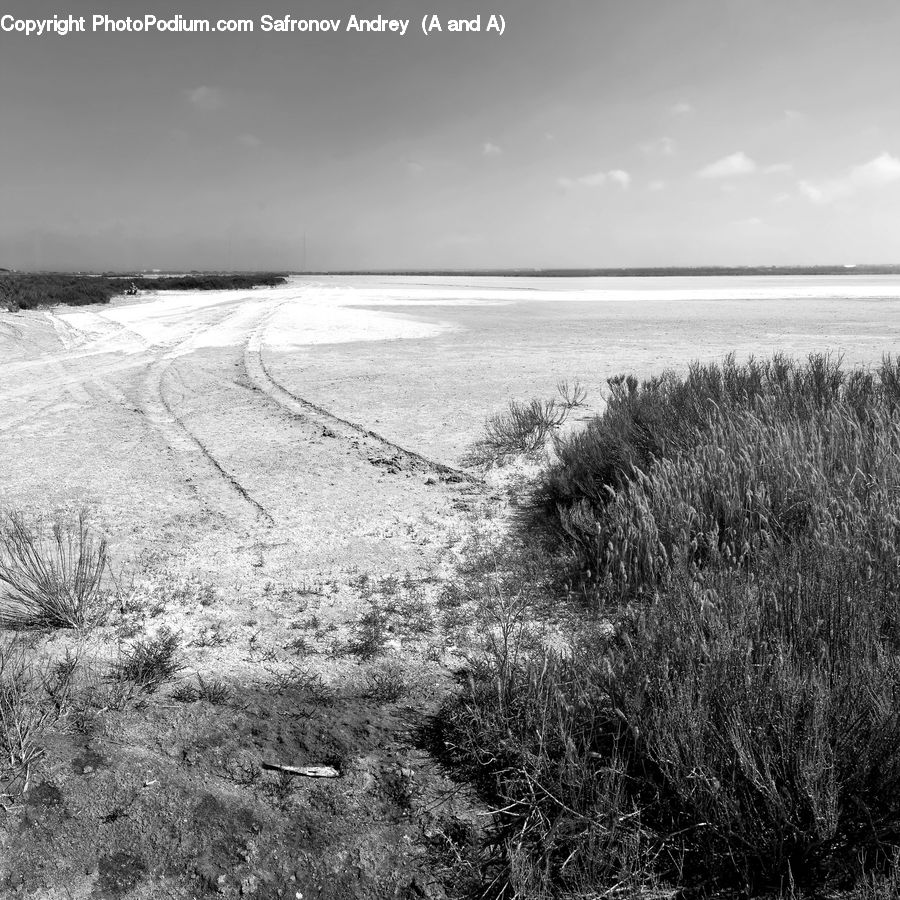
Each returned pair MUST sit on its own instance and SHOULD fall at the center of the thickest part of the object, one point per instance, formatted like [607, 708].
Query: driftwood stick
[307, 771]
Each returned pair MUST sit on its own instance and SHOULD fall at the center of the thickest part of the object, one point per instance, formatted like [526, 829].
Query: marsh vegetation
[690, 670]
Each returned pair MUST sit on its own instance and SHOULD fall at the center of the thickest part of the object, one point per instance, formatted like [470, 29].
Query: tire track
[377, 449]
[70, 337]
[12, 422]
[219, 488]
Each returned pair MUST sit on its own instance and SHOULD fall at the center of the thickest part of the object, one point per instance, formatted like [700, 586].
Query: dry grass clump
[726, 717]
[51, 580]
[521, 430]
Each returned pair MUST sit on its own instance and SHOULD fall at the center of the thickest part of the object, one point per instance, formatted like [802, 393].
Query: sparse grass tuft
[185, 693]
[149, 662]
[387, 684]
[213, 691]
[51, 580]
[215, 635]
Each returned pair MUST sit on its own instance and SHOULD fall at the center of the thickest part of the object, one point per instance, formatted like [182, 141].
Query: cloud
[489, 149]
[729, 166]
[414, 168]
[778, 169]
[250, 141]
[824, 193]
[663, 146]
[752, 222]
[682, 108]
[596, 180]
[205, 98]
[657, 185]
[878, 172]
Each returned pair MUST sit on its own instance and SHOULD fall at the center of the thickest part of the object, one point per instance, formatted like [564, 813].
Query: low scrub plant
[51, 580]
[572, 394]
[211, 690]
[523, 429]
[370, 633]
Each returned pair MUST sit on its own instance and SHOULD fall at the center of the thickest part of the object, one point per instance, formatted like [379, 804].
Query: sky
[590, 133]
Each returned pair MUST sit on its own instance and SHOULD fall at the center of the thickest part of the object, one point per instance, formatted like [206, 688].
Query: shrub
[760, 713]
[741, 731]
[51, 580]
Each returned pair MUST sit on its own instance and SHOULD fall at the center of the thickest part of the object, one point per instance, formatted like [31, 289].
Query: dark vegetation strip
[721, 713]
[31, 290]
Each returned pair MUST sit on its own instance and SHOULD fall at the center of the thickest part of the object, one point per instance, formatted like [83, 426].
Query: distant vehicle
[132, 291]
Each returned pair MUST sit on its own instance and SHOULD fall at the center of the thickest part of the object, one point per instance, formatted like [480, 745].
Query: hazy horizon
[587, 135]
[824, 269]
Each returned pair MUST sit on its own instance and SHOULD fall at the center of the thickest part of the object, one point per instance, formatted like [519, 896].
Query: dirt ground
[297, 556]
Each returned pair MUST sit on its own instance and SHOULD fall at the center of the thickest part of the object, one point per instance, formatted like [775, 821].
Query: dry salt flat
[446, 352]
